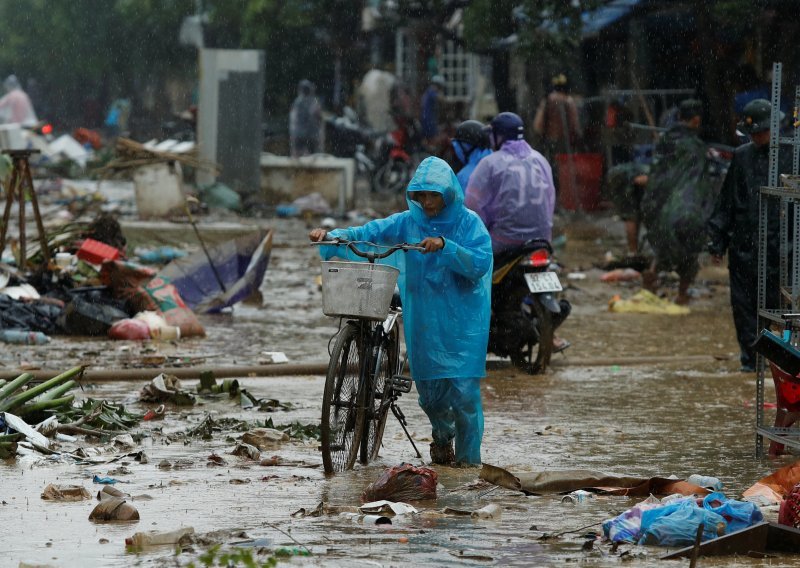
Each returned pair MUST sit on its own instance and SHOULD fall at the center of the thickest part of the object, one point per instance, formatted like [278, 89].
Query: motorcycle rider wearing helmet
[733, 226]
[512, 189]
[513, 193]
[471, 145]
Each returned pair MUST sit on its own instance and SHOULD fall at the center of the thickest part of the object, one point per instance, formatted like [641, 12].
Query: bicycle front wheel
[377, 396]
[340, 434]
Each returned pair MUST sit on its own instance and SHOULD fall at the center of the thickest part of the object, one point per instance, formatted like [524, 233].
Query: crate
[95, 252]
[357, 289]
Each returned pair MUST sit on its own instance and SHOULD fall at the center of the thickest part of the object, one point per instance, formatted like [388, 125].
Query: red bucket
[579, 179]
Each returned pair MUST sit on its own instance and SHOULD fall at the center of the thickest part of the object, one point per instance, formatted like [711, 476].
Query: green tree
[85, 50]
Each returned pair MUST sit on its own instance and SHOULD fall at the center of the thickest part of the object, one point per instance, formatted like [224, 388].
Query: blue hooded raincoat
[446, 299]
[475, 156]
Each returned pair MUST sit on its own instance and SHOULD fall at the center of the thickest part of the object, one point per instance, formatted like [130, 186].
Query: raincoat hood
[433, 174]
[517, 148]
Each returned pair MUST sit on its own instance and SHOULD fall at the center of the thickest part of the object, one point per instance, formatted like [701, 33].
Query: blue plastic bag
[738, 514]
[676, 524]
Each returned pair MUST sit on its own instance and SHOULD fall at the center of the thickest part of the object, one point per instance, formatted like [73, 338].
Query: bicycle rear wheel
[340, 435]
[375, 398]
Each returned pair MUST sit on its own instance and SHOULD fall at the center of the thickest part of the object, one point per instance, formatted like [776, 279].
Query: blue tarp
[596, 20]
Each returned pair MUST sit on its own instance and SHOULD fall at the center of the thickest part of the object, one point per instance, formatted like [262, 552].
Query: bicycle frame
[379, 363]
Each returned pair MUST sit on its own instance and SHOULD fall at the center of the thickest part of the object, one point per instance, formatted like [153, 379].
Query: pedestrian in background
[430, 104]
[16, 106]
[305, 121]
[556, 120]
[678, 201]
[733, 227]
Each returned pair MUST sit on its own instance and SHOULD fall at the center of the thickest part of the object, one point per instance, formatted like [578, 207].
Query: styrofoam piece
[67, 146]
[18, 424]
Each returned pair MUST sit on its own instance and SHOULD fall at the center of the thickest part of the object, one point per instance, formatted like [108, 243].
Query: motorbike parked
[525, 308]
[380, 157]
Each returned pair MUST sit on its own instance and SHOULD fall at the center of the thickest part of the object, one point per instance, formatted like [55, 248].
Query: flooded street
[640, 395]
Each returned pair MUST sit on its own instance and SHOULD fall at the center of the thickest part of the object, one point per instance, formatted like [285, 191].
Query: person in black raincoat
[733, 227]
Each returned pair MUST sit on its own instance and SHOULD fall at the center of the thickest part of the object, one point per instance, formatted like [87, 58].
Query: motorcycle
[525, 308]
[380, 157]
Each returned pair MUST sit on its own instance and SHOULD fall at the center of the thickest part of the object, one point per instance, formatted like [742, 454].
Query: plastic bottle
[578, 496]
[705, 481]
[154, 538]
[20, 337]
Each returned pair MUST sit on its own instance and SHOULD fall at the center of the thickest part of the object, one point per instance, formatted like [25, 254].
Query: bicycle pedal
[401, 383]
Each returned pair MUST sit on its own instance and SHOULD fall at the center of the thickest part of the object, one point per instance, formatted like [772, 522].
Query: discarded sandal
[560, 344]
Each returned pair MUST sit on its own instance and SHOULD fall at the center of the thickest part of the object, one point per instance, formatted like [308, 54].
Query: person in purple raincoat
[512, 189]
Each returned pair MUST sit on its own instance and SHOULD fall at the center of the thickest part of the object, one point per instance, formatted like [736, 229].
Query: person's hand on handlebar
[432, 244]
[317, 235]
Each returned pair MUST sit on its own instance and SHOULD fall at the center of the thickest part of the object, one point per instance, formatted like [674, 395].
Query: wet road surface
[679, 416]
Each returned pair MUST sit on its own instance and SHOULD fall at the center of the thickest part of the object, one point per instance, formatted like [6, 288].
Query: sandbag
[403, 482]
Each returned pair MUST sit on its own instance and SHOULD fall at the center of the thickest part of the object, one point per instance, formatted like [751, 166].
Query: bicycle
[364, 378]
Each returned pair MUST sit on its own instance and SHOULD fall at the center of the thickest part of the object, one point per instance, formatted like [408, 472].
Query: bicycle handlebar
[371, 256]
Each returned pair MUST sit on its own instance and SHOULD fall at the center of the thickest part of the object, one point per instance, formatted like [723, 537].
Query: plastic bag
[645, 302]
[627, 526]
[173, 308]
[676, 524]
[738, 514]
[621, 275]
[131, 329]
[403, 482]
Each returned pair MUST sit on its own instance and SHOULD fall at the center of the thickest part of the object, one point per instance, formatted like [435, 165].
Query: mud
[689, 413]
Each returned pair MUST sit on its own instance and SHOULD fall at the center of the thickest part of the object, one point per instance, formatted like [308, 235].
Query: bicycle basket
[357, 289]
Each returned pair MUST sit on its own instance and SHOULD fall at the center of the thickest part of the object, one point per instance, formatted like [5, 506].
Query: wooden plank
[761, 538]
[740, 542]
[781, 538]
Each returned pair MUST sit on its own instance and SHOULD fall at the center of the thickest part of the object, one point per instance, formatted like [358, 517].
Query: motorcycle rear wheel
[535, 358]
[392, 177]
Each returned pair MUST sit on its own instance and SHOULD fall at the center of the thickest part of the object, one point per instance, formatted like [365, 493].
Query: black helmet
[472, 132]
[757, 116]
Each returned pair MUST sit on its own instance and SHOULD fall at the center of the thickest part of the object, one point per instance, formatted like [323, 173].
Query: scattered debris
[645, 302]
[246, 451]
[65, 493]
[265, 438]
[166, 388]
[153, 538]
[404, 482]
[114, 509]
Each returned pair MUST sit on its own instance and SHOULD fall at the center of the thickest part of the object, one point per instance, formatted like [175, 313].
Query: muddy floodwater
[683, 409]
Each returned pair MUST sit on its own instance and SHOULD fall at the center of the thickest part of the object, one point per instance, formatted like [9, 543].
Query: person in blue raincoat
[446, 295]
[471, 145]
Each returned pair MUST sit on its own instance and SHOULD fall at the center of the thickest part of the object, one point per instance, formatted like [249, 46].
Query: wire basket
[357, 289]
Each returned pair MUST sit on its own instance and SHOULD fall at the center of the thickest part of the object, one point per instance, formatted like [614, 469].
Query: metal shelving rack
[789, 282]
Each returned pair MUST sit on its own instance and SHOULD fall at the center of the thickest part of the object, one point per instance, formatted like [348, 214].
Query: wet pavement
[690, 412]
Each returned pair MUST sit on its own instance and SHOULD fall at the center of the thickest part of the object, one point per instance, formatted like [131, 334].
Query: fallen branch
[17, 401]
